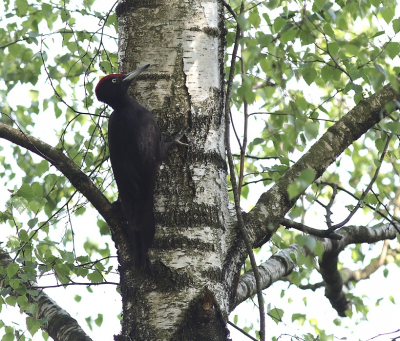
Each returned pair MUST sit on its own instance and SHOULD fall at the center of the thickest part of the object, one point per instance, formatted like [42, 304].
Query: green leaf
[333, 48]
[388, 14]
[326, 73]
[272, 4]
[301, 183]
[95, 277]
[309, 75]
[23, 235]
[254, 19]
[12, 269]
[351, 49]
[99, 320]
[32, 223]
[258, 140]
[11, 300]
[33, 325]
[278, 24]
[42, 167]
[89, 322]
[306, 38]
[394, 127]
[34, 95]
[8, 337]
[394, 82]
[62, 271]
[276, 315]
[396, 25]
[311, 130]
[318, 5]
[80, 211]
[300, 317]
[377, 34]
[385, 272]
[22, 7]
[22, 302]
[14, 283]
[393, 49]
[36, 205]
[82, 259]
[26, 192]
[329, 31]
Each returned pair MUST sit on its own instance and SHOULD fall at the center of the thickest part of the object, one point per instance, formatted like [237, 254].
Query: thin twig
[74, 283]
[309, 230]
[229, 8]
[242, 331]
[271, 113]
[245, 126]
[234, 130]
[353, 196]
[252, 182]
[234, 186]
[258, 157]
[328, 207]
[337, 226]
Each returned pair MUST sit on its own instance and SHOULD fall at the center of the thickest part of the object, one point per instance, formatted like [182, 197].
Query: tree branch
[309, 230]
[387, 256]
[282, 263]
[65, 165]
[236, 190]
[263, 220]
[60, 325]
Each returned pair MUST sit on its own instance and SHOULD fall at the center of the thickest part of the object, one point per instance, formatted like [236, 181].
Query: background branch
[282, 264]
[65, 165]
[275, 203]
[59, 322]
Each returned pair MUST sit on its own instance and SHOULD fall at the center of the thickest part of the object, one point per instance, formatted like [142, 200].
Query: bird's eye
[114, 80]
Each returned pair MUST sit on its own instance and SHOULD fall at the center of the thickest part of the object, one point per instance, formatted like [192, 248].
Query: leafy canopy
[302, 66]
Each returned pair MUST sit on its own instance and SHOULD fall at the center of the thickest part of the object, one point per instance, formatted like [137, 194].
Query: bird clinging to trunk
[136, 149]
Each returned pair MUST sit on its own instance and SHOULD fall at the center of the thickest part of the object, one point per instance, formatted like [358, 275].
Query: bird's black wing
[134, 142]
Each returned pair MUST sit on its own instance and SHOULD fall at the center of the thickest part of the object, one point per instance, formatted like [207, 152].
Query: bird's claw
[180, 135]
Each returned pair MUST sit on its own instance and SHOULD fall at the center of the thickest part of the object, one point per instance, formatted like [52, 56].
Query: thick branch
[65, 165]
[349, 275]
[275, 203]
[282, 263]
[60, 325]
[309, 230]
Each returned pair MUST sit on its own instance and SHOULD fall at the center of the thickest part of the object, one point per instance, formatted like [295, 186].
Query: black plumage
[136, 149]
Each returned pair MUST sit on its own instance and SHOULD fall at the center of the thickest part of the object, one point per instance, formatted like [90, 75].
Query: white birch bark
[182, 41]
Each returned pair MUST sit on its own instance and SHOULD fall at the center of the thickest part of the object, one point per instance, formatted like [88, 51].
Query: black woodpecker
[136, 149]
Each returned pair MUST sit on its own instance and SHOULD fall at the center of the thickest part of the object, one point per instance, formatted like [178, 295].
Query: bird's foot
[181, 134]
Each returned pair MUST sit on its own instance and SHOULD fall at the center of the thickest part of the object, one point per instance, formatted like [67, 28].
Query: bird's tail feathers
[141, 228]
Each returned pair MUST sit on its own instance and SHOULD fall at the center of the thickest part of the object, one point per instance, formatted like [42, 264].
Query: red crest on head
[108, 77]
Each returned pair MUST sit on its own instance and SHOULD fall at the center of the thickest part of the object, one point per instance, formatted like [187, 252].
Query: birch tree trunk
[185, 297]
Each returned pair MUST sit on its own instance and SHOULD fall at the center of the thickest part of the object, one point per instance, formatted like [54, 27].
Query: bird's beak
[131, 76]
